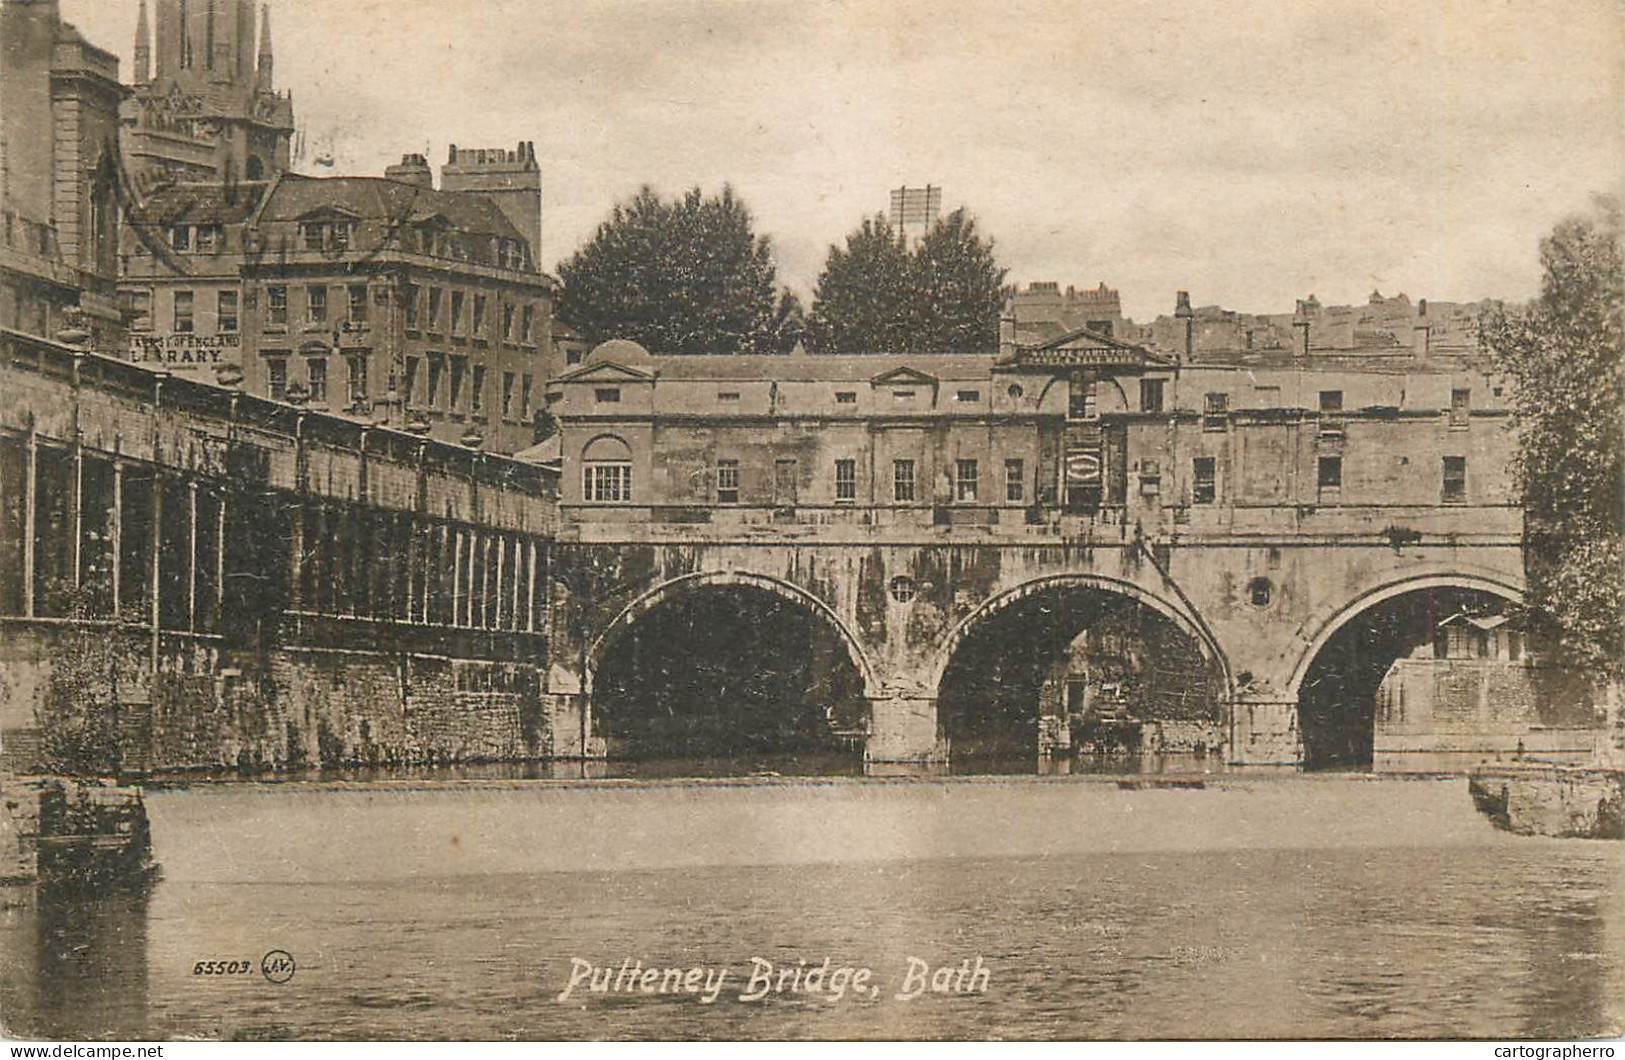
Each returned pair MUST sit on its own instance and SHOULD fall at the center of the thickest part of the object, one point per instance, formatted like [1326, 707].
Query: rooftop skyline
[1251, 153]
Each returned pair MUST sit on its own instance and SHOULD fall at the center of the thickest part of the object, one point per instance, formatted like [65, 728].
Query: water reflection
[74, 967]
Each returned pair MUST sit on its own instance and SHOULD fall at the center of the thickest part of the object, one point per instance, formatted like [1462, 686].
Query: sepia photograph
[811, 520]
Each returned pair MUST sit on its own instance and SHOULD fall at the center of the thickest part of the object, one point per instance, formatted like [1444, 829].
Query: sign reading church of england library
[181, 350]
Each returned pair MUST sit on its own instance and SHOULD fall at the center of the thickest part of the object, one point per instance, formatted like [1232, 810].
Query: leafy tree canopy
[877, 296]
[689, 276]
[1563, 357]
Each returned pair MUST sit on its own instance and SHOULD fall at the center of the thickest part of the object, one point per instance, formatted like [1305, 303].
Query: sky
[1250, 152]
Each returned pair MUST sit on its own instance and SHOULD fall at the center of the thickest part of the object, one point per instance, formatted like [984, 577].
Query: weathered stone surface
[1559, 801]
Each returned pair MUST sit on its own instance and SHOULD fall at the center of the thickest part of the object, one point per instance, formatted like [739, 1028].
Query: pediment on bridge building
[903, 375]
[1083, 348]
[606, 372]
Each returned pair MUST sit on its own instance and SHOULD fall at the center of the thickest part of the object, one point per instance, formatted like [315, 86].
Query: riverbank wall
[1559, 801]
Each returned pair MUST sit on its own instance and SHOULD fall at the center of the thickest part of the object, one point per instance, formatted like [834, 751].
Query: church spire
[265, 48]
[143, 46]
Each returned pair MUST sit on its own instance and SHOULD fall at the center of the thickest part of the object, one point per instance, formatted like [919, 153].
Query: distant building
[378, 298]
[208, 110]
[59, 175]
[1384, 327]
[915, 210]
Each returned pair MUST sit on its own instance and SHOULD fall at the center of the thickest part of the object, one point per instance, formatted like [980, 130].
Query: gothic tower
[207, 110]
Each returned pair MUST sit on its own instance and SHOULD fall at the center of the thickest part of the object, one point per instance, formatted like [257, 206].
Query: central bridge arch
[1080, 662]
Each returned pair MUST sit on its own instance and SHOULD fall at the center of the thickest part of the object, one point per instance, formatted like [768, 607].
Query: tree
[688, 276]
[1562, 355]
[864, 299]
[876, 296]
[960, 287]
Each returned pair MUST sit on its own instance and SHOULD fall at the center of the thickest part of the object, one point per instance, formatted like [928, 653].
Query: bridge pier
[1265, 732]
[903, 728]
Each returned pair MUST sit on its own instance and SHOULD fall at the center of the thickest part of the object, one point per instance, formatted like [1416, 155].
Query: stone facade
[1259, 505]
[219, 581]
[60, 176]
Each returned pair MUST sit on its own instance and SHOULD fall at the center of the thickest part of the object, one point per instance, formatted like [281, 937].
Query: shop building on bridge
[1273, 516]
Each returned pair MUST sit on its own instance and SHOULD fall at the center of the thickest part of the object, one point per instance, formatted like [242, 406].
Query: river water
[1100, 908]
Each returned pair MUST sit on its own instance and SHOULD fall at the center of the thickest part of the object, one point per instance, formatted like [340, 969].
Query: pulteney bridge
[1072, 545]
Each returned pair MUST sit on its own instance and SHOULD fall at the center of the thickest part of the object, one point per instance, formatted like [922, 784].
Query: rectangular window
[1331, 401]
[607, 482]
[409, 300]
[276, 373]
[526, 319]
[1215, 411]
[1151, 395]
[316, 368]
[479, 315]
[358, 303]
[477, 401]
[358, 380]
[902, 479]
[846, 481]
[727, 482]
[1015, 481]
[1461, 405]
[338, 238]
[226, 312]
[180, 237]
[507, 322]
[141, 309]
[968, 396]
[409, 391]
[436, 297]
[507, 395]
[1080, 403]
[1455, 480]
[727, 395]
[459, 367]
[1204, 487]
[965, 474]
[316, 305]
[846, 397]
[524, 398]
[607, 395]
[276, 307]
[456, 312]
[184, 320]
[315, 235]
[1329, 473]
[902, 395]
[437, 367]
[207, 238]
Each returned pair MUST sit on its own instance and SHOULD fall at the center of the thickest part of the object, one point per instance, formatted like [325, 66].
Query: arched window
[606, 471]
[255, 169]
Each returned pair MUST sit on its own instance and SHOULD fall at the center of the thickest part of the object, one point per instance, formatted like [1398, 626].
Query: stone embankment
[1552, 800]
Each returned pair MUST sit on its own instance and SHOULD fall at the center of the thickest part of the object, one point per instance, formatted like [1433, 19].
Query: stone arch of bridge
[1183, 619]
[690, 583]
[1326, 626]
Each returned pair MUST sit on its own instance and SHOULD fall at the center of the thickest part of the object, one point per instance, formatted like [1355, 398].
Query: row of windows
[448, 378]
[228, 319]
[316, 305]
[611, 480]
[461, 315]
[1328, 479]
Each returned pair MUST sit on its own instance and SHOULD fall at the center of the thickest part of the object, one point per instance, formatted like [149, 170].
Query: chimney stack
[414, 170]
[1300, 324]
[1007, 331]
[1182, 311]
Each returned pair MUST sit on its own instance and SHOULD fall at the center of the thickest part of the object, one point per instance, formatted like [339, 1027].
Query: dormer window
[314, 234]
